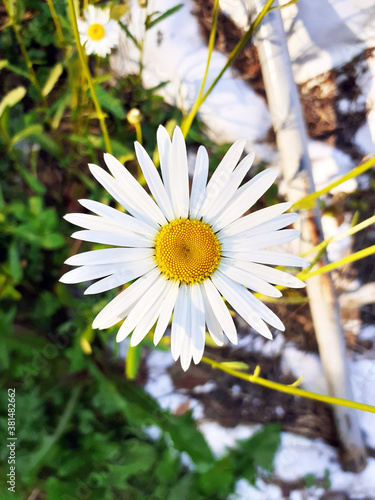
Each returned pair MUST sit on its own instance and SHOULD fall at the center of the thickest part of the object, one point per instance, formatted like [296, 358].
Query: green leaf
[262, 446]
[167, 13]
[33, 182]
[110, 103]
[35, 129]
[11, 98]
[14, 262]
[5, 64]
[129, 35]
[52, 79]
[218, 479]
[52, 241]
[48, 144]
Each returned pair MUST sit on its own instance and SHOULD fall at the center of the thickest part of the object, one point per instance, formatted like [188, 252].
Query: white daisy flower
[97, 32]
[185, 251]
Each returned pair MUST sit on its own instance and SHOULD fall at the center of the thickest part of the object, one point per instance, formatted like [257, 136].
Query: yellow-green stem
[56, 22]
[186, 123]
[86, 71]
[132, 362]
[138, 131]
[334, 265]
[313, 196]
[288, 389]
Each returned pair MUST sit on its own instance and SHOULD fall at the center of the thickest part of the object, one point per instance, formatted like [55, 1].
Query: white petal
[143, 304]
[238, 298]
[109, 256]
[214, 205]
[154, 181]
[117, 217]
[150, 316]
[268, 273]
[198, 331]
[266, 240]
[186, 352]
[272, 225]
[220, 310]
[164, 149]
[179, 179]
[213, 324]
[126, 199]
[221, 176]
[179, 322]
[198, 188]
[256, 218]
[87, 273]
[113, 311]
[249, 280]
[96, 223]
[245, 197]
[116, 239]
[131, 187]
[120, 278]
[166, 311]
[269, 257]
[254, 303]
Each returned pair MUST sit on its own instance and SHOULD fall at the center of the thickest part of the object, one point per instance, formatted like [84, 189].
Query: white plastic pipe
[291, 137]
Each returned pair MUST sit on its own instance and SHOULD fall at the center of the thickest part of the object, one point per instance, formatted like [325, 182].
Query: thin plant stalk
[56, 22]
[308, 200]
[86, 71]
[366, 252]
[186, 123]
[288, 389]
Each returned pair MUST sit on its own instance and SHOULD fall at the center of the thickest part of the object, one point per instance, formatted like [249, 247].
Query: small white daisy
[97, 32]
[184, 250]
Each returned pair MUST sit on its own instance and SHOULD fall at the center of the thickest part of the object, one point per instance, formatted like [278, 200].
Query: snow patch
[221, 438]
[304, 364]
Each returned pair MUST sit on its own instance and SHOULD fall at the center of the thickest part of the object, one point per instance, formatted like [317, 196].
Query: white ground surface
[323, 34]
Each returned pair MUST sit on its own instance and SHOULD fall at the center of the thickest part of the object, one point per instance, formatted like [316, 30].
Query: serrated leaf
[11, 98]
[52, 79]
[262, 446]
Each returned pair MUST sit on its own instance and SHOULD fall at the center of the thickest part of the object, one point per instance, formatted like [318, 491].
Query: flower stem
[186, 123]
[56, 22]
[288, 389]
[81, 55]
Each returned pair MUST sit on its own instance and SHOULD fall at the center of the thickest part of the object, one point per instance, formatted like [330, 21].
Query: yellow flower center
[187, 250]
[96, 32]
